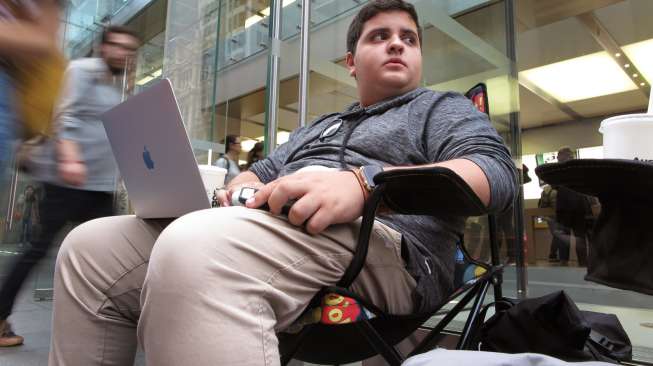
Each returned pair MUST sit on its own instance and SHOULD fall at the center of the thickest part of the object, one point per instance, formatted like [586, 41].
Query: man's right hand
[72, 172]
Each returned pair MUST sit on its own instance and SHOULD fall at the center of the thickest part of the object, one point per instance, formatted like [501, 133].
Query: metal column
[273, 77]
[304, 71]
[521, 273]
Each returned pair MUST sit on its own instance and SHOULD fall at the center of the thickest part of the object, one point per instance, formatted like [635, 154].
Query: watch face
[369, 172]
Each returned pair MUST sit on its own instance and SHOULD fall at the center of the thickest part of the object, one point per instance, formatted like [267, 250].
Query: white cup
[212, 177]
[628, 137]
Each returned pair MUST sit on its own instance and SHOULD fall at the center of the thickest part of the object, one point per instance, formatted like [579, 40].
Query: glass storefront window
[579, 62]
[464, 44]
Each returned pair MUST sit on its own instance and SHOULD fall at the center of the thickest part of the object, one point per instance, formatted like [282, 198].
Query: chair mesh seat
[338, 309]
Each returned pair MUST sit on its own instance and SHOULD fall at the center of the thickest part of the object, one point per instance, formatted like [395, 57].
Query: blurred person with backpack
[76, 167]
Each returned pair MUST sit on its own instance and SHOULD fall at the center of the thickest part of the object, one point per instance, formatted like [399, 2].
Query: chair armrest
[429, 191]
[421, 191]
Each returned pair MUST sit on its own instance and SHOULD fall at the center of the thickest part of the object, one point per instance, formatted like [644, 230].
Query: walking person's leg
[55, 209]
[98, 279]
[506, 229]
[23, 232]
[28, 231]
[97, 204]
[555, 240]
[580, 232]
[564, 243]
[225, 280]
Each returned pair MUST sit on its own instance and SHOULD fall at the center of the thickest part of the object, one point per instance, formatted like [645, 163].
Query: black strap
[602, 342]
[483, 313]
[360, 254]
[223, 156]
[345, 140]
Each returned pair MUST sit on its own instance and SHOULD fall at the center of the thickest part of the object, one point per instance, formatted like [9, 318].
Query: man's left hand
[323, 198]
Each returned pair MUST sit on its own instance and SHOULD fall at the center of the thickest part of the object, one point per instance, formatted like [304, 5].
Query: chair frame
[476, 291]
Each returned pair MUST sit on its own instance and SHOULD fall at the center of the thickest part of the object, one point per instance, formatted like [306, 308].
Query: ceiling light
[252, 20]
[144, 80]
[577, 78]
[641, 54]
[627, 65]
[642, 84]
[149, 77]
[247, 145]
[635, 75]
[266, 12]
[282, 137]
[617, 54]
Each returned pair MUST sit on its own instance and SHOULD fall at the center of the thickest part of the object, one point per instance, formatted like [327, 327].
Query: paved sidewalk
[31, 319]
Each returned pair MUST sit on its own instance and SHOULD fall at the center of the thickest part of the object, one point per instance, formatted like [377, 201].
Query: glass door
[20, 218]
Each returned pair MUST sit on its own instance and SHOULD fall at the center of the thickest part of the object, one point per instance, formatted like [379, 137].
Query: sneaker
[7, 336]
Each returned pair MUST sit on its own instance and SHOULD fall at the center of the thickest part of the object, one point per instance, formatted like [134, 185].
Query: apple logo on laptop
[149, 163]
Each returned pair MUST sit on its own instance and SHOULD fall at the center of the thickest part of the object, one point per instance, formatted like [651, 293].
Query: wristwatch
[367, 173]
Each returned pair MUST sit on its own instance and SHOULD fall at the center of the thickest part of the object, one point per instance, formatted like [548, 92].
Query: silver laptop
[154, 155]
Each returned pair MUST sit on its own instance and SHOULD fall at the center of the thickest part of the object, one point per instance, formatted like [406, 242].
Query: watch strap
[361, 182]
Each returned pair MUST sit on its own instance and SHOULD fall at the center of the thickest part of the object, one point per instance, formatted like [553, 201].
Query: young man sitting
[216, 285]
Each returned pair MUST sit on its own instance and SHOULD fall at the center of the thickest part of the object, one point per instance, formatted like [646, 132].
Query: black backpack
[553, 325]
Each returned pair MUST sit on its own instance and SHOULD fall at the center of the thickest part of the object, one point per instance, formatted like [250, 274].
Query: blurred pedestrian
[30, 73]
[77, 168]
[548, 199]
[229, 160]
[31, 66]
[255, 154]
[572, 208]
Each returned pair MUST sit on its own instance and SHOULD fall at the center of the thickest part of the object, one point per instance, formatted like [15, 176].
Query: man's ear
[349, 60]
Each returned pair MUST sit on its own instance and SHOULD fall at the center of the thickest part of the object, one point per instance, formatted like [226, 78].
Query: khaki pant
[213, 288]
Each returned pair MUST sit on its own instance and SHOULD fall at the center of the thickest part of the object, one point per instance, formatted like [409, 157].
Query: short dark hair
[370, 10]
[116, 29]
